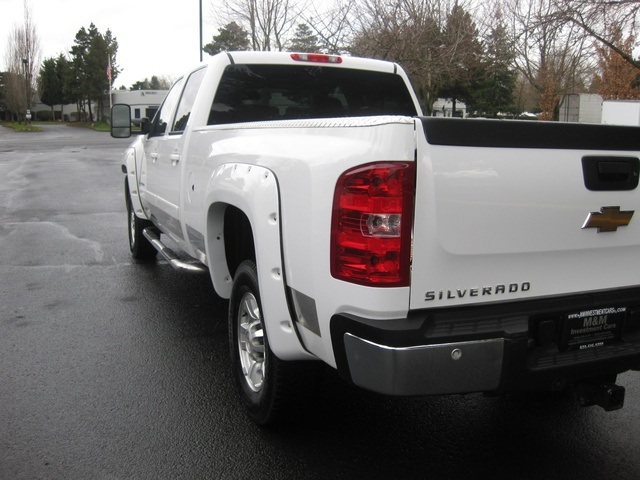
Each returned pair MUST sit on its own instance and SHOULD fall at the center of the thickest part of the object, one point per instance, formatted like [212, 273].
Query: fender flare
[131, 161]
[253, 190]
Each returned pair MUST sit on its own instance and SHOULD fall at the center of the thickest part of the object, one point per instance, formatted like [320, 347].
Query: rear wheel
[266, 384]
[141, 249]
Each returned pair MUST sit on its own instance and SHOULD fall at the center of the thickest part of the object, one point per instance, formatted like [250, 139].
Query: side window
[187, 100]
[162, 118]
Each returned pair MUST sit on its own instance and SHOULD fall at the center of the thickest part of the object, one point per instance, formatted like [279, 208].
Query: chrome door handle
[175, 158]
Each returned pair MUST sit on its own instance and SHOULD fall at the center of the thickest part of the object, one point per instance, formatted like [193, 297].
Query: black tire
[267, 385]
[141, 249]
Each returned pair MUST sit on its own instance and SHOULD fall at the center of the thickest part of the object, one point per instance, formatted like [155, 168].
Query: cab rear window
[249, 93]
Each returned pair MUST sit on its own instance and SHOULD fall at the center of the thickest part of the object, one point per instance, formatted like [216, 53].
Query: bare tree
[552, 55]
[22, 58]
[267, 21]
[333, 25]
[600, 19]
[413, 33]
[617, 79]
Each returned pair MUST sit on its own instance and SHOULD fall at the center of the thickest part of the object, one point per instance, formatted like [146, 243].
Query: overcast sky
[155, 37]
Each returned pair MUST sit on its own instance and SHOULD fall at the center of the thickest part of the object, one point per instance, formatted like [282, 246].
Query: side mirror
[120, 121]
[145, 125]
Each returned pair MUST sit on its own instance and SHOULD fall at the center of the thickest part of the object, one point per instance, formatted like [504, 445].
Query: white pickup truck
[415, 255]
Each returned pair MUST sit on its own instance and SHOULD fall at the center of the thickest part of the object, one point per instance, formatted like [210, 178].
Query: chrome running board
[153, 235]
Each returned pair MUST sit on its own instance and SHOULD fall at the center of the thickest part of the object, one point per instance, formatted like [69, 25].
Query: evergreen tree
[54, 83]
[155, 83]
[231, 37]
[49, 85]
[94, 58]
[464, 51]
[79, 81]
[73, 84]
[141, 85]
[65, 76]
[494, 92]
[304, 40]
[3, 102]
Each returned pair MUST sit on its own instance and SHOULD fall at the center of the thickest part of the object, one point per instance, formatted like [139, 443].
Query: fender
[132, 163]
[254, 191]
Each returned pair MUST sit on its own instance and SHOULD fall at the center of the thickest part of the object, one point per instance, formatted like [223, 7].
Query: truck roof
[292, 58]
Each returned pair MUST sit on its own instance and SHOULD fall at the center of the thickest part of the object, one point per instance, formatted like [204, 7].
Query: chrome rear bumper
[461, 367]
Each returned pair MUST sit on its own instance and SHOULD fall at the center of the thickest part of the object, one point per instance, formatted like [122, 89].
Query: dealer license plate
[592, 328]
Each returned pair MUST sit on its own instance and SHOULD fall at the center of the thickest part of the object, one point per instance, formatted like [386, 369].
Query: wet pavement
[115, 370]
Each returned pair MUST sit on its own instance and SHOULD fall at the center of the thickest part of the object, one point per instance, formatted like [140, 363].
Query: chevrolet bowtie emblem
[608, 219]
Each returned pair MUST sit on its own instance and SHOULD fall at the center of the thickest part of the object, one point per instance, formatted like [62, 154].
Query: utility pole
[27, 116]
[200, 30]
[109, 77]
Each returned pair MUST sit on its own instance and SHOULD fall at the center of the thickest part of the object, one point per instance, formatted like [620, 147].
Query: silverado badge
[608, 219]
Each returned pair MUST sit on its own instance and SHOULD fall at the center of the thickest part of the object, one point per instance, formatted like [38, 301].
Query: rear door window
[187, 100]
[165, 114]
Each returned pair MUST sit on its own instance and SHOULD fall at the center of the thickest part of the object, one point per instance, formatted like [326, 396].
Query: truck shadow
[341, 431]
[516, 437]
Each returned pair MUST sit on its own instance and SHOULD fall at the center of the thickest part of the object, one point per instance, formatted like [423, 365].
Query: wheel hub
[132, 227]
[251, 342]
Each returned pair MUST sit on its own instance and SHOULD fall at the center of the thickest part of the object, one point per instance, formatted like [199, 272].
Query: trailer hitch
[605, 394]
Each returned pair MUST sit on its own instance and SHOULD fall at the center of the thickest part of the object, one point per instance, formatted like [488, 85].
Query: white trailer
[581, 108]
[621, 112]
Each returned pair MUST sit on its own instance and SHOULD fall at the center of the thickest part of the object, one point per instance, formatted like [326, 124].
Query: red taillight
[316, 58]
[371, 224]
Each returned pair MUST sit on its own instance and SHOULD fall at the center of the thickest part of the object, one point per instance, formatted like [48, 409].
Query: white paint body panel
[282, 176]
[303, 160]
[487, 217]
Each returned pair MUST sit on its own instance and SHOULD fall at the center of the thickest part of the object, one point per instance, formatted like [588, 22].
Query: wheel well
[238, 238]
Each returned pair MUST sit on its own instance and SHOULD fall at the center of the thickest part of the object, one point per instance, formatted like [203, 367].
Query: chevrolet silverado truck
[415, 255]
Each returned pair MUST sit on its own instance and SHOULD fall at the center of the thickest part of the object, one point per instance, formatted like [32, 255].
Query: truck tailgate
[509, 210]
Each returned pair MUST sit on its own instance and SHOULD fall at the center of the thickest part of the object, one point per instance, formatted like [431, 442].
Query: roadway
[115, 370]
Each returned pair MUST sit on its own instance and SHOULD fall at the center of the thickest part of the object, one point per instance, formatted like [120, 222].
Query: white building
[143, 103]
[443, 107]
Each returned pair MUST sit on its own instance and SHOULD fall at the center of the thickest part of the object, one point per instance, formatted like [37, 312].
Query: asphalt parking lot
[115, 370]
